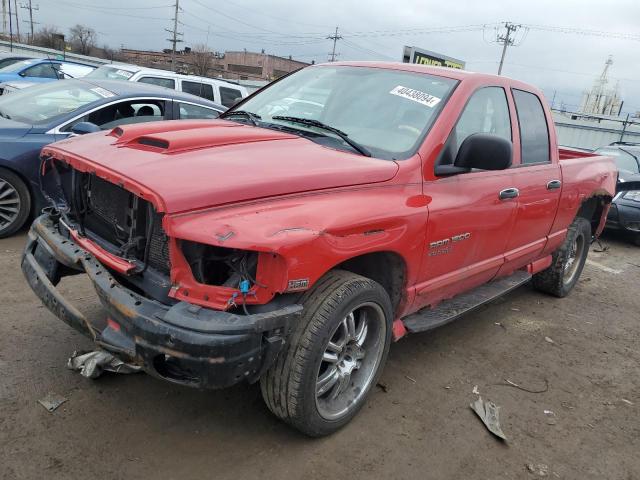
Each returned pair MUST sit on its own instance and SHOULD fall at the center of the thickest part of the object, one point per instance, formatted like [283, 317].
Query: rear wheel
[568, 261]
[334, 355]
[15, 203]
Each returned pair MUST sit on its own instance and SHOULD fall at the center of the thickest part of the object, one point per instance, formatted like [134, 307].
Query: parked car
[291, 250]
[37, 70]
[14, 86]
[218, 91]
[33, 118]
[7, 59]
[625, 211]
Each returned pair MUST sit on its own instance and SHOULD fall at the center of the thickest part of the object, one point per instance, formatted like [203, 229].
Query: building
[233, 65]
[602, 100]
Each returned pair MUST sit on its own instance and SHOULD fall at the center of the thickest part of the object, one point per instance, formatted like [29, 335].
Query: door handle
[553, 184]
[509, 193]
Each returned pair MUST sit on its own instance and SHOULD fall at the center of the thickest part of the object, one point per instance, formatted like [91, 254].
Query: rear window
[203, 90]
[534, 132]
[161, 82]
[229, 96]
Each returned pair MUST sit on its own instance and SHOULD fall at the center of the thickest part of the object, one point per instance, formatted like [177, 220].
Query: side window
[42, 70]
[487, 111]
[534, 132]
[123, 113]
[229, 96]
[189, 111]
[161, 82]
[203, 90]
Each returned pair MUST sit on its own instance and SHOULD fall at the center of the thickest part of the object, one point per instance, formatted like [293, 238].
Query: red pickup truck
[289, 242]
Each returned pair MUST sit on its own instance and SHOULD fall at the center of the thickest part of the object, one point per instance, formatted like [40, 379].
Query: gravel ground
[419, 426]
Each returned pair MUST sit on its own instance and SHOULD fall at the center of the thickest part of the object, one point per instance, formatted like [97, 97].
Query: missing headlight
[219, 266]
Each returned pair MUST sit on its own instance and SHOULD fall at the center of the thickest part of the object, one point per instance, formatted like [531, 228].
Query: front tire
[15, 203]
[334, 355]
[568, 261]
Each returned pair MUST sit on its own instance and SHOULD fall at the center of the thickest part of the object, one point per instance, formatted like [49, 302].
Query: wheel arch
[594, 209]
[388, 268]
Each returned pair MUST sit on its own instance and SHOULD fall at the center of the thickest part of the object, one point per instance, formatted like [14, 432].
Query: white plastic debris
[475, 390]
[52, 401]
[489, 413]
[93, 364]
[548, 340]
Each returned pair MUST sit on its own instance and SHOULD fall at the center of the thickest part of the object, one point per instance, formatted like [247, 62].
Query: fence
[588, 132]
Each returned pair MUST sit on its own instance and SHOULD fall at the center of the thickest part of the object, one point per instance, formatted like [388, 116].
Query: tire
[15, 203]
[568, 261]
[322, 377]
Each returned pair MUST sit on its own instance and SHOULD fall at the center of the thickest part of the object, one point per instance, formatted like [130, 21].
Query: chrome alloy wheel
[9, 204]
[573, 259]
[350, 360]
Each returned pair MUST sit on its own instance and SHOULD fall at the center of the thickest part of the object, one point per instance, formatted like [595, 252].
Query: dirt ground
[421, 427]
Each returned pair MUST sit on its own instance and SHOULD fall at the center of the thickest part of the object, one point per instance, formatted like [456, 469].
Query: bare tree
[201, 59]
[83, 38]
[48, 37]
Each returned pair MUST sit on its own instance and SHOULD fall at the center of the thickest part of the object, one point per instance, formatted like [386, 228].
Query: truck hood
[191, 165]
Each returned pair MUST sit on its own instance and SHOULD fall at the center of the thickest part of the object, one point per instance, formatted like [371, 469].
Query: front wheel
[334, 355]
[15, 203]
[568, 261]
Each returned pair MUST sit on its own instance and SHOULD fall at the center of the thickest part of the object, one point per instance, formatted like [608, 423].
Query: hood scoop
[194, 136]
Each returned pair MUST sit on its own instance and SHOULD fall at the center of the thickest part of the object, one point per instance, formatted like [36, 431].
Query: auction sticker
[104, 93]
[416, 95]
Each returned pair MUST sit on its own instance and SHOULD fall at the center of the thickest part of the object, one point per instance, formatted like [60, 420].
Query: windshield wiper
[315, 123]
[250, 115]
[4, 115]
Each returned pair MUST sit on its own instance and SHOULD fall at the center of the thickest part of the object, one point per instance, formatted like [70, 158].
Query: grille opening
[219, 266]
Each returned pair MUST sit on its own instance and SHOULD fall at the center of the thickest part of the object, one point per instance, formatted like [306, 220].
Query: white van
[217, 91]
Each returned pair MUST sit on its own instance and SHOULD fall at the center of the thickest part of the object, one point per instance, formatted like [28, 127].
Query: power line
[335, 37]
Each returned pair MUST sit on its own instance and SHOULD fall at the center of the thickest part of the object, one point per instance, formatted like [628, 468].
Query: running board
[448, 310]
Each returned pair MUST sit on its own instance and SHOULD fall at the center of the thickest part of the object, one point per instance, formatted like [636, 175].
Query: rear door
[538, 180]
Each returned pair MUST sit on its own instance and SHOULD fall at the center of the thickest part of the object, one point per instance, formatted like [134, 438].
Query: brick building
[232, 65]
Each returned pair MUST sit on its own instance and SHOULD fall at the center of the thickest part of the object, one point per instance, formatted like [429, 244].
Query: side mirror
[484, 151]
[23, 74]
[83, 128]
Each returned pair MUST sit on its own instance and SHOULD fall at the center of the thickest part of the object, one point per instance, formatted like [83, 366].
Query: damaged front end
[188, 313]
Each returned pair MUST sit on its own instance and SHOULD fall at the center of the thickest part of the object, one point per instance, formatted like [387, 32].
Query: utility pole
[31, 8]
[10, 28]
[335, 37]
[15, 7]
[4, 17]
[506, 40]
[175, 34]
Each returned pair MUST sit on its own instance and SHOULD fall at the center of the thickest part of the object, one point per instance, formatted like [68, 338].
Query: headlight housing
[633, 195]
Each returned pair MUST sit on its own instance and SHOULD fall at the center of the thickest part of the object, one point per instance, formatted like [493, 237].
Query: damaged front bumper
[181, 343]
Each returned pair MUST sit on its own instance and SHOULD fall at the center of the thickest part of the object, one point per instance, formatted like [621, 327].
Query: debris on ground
[628, 402]
[382, 386]
[514, 384]
[540, 469]
[93, 364]
[601, 247]
[52, 401]
[551, 417]
[499, 324]
[489, 413]
[412, 380]
[548, 340]
[475, 390]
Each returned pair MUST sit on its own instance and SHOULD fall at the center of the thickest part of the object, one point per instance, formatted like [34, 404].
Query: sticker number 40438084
[416, 95]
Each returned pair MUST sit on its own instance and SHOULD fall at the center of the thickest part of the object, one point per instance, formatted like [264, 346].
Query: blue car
[37, 70]
[42, 114]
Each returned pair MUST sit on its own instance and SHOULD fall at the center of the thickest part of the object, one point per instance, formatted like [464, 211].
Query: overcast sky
[566, 63]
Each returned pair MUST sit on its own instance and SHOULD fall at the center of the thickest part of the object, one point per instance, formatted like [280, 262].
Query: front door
[469, 220]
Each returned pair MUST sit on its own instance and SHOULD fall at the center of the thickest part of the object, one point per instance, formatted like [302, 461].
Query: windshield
[110, 73]
[624, 160]
[43, 103]
[17, 66]
[386, 111]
